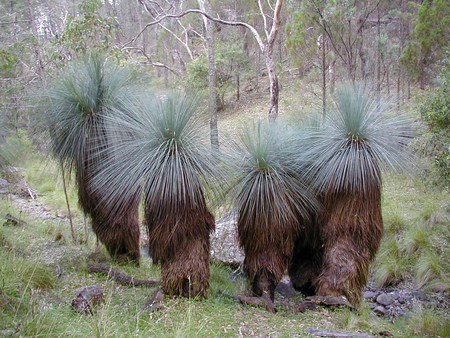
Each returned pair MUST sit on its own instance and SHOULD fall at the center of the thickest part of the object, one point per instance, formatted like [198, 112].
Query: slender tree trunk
[258, 66]
[388, 84]
[332, 72]
[273, 82]
[238, 84]
[72, 230]
[324, 78]
[378, 59]
[36, 45]
[209, 33]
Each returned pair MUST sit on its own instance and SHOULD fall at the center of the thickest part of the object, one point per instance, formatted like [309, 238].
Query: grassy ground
[41, 271]
[41, 268]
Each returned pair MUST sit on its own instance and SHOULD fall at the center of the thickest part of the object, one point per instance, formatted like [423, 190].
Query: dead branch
[10, 219]
[120, 277]
[262, 302]
[153, 63]
[155, 303]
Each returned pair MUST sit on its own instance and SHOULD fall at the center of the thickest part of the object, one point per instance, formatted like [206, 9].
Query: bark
[209, 34]
[72, 229]
[332, 72]
[36, 45]
[378, 59]
[273, 82]
[324, 78]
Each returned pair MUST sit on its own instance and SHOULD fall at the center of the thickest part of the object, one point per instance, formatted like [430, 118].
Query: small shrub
[435, 113]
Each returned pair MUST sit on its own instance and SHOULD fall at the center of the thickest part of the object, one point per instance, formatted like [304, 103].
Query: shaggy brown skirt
[351, 229]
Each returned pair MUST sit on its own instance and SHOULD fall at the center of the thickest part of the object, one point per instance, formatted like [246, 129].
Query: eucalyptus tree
[167, 153]
[76, 105]
[358, 140]
[4, 153]
[274, 205]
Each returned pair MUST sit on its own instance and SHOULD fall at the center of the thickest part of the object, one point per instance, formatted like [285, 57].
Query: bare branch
[264, 19]
[189, 11]
[276, 22]
[153, 63]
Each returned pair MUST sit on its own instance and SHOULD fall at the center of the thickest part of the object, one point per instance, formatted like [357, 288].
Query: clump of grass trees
[308, 201]
[76, 105]
[328, 248]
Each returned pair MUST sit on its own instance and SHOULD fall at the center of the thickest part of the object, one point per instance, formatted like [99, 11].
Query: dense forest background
[394, 45]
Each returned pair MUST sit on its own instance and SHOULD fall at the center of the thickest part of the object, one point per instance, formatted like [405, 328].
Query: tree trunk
[332, 72]
[209, 33]
[378, 59]
[324, 78]
[238, 84]
[273, 82]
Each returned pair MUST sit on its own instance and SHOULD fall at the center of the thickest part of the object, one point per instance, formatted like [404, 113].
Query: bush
[435, 113]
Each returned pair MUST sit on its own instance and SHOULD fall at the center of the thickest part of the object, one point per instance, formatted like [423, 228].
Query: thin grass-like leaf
[358, 141]
[269, 187]
[165, 151]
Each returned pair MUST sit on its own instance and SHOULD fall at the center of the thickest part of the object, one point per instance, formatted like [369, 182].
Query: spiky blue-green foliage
[165, 150]
[270, 183]
[273, 203]
[77, 101]
[358, 140]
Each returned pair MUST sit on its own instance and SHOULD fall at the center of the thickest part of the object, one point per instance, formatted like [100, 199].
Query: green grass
[417, 237]
[35, 302]
[41, 268]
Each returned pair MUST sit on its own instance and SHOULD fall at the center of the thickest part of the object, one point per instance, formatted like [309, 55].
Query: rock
[17, 183]
[3, 183]
[87, 298]
[327, 333]
[394, 294]
[370, 295]
[4, 186]
[419, 295]
[224, 244]
[372, 305]
[385, 299]
[380, 310]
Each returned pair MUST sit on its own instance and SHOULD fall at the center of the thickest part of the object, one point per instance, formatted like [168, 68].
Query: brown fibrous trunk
[268, 242]
[351, 229]
[180, 242]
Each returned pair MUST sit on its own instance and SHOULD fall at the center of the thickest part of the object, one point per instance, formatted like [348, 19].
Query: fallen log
[155, 303]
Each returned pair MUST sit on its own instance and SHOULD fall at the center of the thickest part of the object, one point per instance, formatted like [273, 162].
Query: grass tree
[348, 154]
[169, 156]
[76, 106]
[273, 204]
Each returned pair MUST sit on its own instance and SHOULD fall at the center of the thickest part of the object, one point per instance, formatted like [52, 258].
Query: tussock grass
[417, 237]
